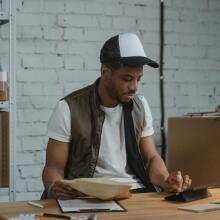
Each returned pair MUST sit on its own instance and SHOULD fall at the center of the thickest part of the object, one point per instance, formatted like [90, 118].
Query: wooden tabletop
[142, 206]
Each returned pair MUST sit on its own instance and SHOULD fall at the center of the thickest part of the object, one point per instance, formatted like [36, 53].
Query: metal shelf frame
[10, 106]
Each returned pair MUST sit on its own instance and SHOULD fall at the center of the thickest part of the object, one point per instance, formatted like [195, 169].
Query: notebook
[200, 207]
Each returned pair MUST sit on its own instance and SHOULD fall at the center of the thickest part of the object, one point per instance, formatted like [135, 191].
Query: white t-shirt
[112, 160]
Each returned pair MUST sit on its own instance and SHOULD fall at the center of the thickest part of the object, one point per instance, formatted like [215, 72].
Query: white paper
[80, 205]
[200, 207]
[101, 188]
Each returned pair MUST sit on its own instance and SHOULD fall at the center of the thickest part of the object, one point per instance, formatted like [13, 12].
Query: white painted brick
[3, 46]
[77, 21]
[150, 37]
[32, 143]
[187, 64]
[188, 40]
[113, 10]
[214, 28]
[124, 22]
[73, 62]
[24, 196]
[70, 87]
[147, 24]
[152, 13]
[92, 62]
[205, 89]
[28, 158]
[194, 4]
[208, 64]
[94, 8]
[171, 14]
[197, 76]
[136, 11]
[35, 185]
[80, 75]
[48, 20]
[217, 90]
[25, 46]
[189, 52]
[104, 22]
[21, 185]
[23, 102]
[27, 171]
[32, 89]
[52, 33]
[171, 63]
[42, 46]
[214, 53]
[183, 101]
[43, 61]
[29, 115]
[18, 144]
[214, 4]
[44, 115]
[207, 40]
[46, 102]
[28, 19]
[150, 75]
[32, 32]
[93, 35]
[76, 48]
[27, 129]
[54, 6]
[178, 4]
[214, 77]
[52, 89]
[75, 6]
[35, 75]
[73, 34]
[31, 6]
[204, 16]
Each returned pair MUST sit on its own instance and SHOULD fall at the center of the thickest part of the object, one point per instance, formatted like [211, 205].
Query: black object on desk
[189, 195]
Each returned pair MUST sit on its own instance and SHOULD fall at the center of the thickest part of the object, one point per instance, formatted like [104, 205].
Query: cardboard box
[194, 148]
[4, 149]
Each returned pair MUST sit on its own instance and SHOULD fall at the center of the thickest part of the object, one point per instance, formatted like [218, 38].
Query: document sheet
[89, 205]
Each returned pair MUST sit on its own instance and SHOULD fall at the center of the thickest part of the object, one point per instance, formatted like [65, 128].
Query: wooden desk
[140, 207]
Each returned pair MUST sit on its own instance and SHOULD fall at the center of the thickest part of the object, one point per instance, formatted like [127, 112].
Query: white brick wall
[58, 43]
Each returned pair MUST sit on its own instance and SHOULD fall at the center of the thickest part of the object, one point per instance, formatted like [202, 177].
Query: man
[105, 129]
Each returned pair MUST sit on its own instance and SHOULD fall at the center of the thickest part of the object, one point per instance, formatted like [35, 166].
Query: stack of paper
[102, 188]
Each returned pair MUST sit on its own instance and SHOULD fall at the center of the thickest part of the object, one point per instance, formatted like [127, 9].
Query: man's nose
[133, 86]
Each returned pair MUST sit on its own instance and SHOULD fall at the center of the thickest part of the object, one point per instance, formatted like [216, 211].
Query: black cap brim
[139, 61]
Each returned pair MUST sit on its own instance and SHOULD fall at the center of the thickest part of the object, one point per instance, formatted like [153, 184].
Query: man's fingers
[186, 182]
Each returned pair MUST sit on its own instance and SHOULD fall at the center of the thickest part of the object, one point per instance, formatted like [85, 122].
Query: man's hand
[175, 182]
[60, 190]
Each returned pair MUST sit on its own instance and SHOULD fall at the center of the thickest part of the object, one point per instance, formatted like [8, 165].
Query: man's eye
[127, 79]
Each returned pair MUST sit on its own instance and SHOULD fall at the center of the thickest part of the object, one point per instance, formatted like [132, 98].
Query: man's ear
[105, 71]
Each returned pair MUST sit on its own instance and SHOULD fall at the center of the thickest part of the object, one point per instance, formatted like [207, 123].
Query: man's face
[123, 83]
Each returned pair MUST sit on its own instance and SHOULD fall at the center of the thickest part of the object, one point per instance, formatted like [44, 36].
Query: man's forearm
[157, 171]
[50, 175]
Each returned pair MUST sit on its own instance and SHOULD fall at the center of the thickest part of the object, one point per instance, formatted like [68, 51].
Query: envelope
[101, 188]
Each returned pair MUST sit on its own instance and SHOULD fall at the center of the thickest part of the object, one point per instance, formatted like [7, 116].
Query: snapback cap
[126, 48]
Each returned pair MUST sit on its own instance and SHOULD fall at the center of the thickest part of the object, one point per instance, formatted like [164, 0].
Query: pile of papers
[101, 188]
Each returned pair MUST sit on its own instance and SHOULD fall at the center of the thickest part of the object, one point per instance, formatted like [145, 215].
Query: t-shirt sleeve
[58, 127]
[148, 129]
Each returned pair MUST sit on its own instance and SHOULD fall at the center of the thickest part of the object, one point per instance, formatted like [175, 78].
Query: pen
[56, 215]
[35, 204]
